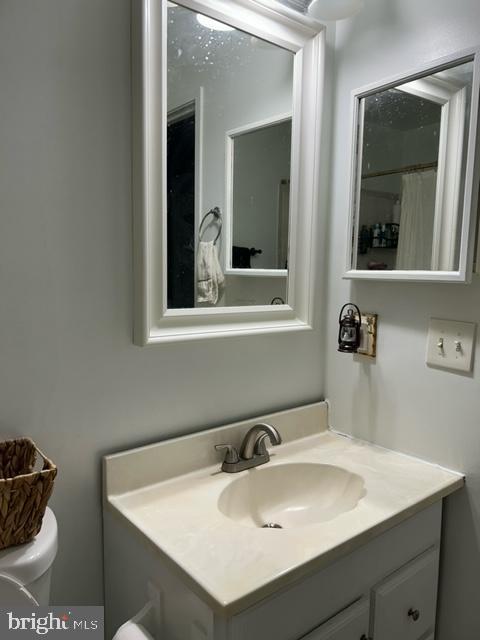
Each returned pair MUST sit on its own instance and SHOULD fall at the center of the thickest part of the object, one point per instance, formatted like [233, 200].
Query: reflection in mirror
[260, 195]
[219, 80]
[412, 151]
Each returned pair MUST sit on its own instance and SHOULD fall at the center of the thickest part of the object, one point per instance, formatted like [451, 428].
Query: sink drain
[272, 525]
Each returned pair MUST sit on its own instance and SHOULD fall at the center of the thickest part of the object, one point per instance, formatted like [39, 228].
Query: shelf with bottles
[378, 236]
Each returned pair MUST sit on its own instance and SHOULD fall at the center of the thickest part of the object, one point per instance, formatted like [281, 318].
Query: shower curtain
[417, 216]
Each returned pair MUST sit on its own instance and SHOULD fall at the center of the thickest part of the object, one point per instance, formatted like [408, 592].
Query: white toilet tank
[25, 570]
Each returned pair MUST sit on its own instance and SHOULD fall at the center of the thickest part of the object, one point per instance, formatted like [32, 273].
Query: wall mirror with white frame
[227, 112]
[415, 179]
[258, 197]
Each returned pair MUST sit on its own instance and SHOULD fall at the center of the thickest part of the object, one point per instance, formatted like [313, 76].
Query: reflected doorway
[181, 208]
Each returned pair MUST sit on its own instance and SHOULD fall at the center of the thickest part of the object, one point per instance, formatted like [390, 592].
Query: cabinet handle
[414, 614]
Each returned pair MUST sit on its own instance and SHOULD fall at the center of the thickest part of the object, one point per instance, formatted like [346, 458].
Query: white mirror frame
[305, 37]
[447, 187]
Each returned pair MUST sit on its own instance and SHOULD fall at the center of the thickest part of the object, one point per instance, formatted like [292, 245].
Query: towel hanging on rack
[210, 278]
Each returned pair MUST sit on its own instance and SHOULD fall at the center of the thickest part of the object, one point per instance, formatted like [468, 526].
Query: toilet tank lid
[29, 561]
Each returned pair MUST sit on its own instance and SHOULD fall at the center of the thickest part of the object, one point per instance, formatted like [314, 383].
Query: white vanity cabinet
[351, 624]
[405, 603]
[400, 607]
[384, 590]
[381, 581]
[366, 570]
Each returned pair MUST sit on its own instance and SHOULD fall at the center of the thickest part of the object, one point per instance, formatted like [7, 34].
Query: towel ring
[217, 217]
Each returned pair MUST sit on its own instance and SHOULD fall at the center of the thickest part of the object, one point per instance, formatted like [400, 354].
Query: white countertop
[232, 566]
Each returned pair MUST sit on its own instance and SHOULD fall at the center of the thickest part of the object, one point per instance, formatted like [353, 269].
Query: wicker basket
[24, 493]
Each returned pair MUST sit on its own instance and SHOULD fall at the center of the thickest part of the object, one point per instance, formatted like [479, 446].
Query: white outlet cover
[457, 340]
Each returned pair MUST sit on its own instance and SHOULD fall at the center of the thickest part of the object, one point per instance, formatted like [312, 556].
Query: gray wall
[70, 376]
[398, 402]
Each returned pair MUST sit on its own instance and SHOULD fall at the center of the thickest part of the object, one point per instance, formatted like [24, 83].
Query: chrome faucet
[253, 450]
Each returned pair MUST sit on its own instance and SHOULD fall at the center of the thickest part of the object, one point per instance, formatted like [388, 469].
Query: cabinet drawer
[404, 605]
[350, 624]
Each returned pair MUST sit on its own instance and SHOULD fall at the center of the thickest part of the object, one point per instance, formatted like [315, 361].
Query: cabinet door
[404, 604]
[350, 624]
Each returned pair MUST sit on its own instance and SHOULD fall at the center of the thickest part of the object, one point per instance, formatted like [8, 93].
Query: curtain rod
[408, 169]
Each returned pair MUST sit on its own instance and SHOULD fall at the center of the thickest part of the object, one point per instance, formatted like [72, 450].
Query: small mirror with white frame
[414, 186]
[258, 197]
[227, 103]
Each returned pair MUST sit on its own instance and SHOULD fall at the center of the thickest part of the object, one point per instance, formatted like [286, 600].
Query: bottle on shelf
[383, 236]
[364, 239]
[376, 236]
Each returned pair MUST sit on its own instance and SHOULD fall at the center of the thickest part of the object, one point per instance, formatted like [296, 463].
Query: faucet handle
[231, 457]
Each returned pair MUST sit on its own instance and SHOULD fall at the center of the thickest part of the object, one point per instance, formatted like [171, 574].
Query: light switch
[451, 344]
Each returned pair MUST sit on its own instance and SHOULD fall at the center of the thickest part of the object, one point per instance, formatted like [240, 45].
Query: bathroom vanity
[357, 556]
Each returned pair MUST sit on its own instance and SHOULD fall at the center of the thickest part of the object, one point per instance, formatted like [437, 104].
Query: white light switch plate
[451, 344]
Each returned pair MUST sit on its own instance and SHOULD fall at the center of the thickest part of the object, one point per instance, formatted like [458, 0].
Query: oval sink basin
[291, 495]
